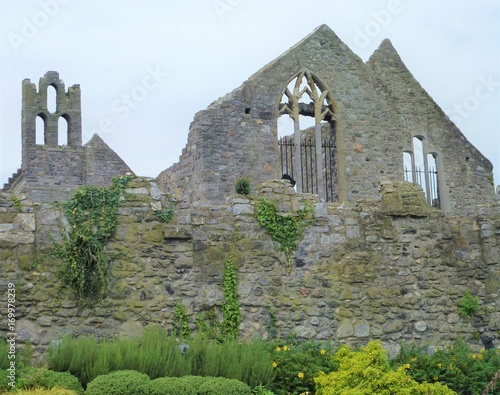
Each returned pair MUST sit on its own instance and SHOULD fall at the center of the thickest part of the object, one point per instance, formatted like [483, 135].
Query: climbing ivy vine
[181, 322]
[285, 231]
[231, 308]
[91, 215]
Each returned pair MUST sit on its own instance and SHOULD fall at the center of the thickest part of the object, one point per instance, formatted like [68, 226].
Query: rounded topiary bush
[44, 391]
[118, 383]
[221, 385]
[50, 379]
[197, 381]
[170, 386]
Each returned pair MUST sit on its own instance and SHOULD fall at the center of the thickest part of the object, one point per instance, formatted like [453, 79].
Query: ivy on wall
[91, 215]
[231, 308]
[285, 231]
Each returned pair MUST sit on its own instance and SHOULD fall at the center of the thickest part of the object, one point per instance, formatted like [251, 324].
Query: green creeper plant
[231, 307]
[167, 214]
[284, 230]
[17, 203]
[91, 215]
[469, 305]
[181, 323]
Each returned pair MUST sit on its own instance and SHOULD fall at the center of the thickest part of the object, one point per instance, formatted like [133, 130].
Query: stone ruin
[50, 171]
[384, 258]
[372, 122]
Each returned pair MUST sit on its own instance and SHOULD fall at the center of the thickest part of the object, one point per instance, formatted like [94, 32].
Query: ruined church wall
[465, 175]
[380, 108]
[54, 173]
[390, 269]
[238, 133]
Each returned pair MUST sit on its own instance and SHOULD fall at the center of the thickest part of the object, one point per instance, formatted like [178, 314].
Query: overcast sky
[192, 52]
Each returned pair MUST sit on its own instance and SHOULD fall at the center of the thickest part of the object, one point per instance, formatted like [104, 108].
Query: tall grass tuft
[159, 355]
[247, 362]
[155, 354]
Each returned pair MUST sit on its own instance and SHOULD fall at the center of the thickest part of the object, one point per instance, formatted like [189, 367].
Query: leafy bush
[23, 355]
[159, 355]
[248, 362]
[28, 377]
[368, 372]
[187, 385]
[458, 367]
[43, 391]
[155, 354]
[121, 382]
[50, 379]
[296, 364]
[261, 390]
[469, 305]
[91, 214]
[221, 385]
[242, 186]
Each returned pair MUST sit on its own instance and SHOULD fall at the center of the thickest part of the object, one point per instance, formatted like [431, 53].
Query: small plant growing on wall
[166, 215]
[469, 305]
[242, 186]
[181, 322]
[17, 203]
[284, 230]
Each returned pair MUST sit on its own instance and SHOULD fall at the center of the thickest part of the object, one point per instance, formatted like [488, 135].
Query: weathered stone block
[179, 232]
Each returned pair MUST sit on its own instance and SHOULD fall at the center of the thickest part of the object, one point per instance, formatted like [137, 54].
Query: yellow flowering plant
[368, 372]
[296, 363]
[457, 366]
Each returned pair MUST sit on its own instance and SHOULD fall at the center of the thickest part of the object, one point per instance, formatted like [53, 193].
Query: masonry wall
[392, 269]
[379, 105]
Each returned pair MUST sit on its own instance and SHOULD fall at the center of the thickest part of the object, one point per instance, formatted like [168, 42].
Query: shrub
[155, 354]
[173, 386]
[469, 305]
[368, 372]
[24, 355]
[159, 355]
[118, 383]
[221, 385]
[50, 379]
[30, 377]
[292, 358]
[458, 367]
[248, 362]
[43, 391]
[242, 186]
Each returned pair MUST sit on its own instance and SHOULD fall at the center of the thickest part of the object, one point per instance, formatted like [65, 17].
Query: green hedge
[221, 385]
[120, 382]
[29, 377]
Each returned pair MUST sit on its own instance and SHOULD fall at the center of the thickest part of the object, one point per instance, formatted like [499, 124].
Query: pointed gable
[102, 163]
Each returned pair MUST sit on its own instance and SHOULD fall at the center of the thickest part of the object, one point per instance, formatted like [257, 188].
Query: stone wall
[379, 109]
[393, 268]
